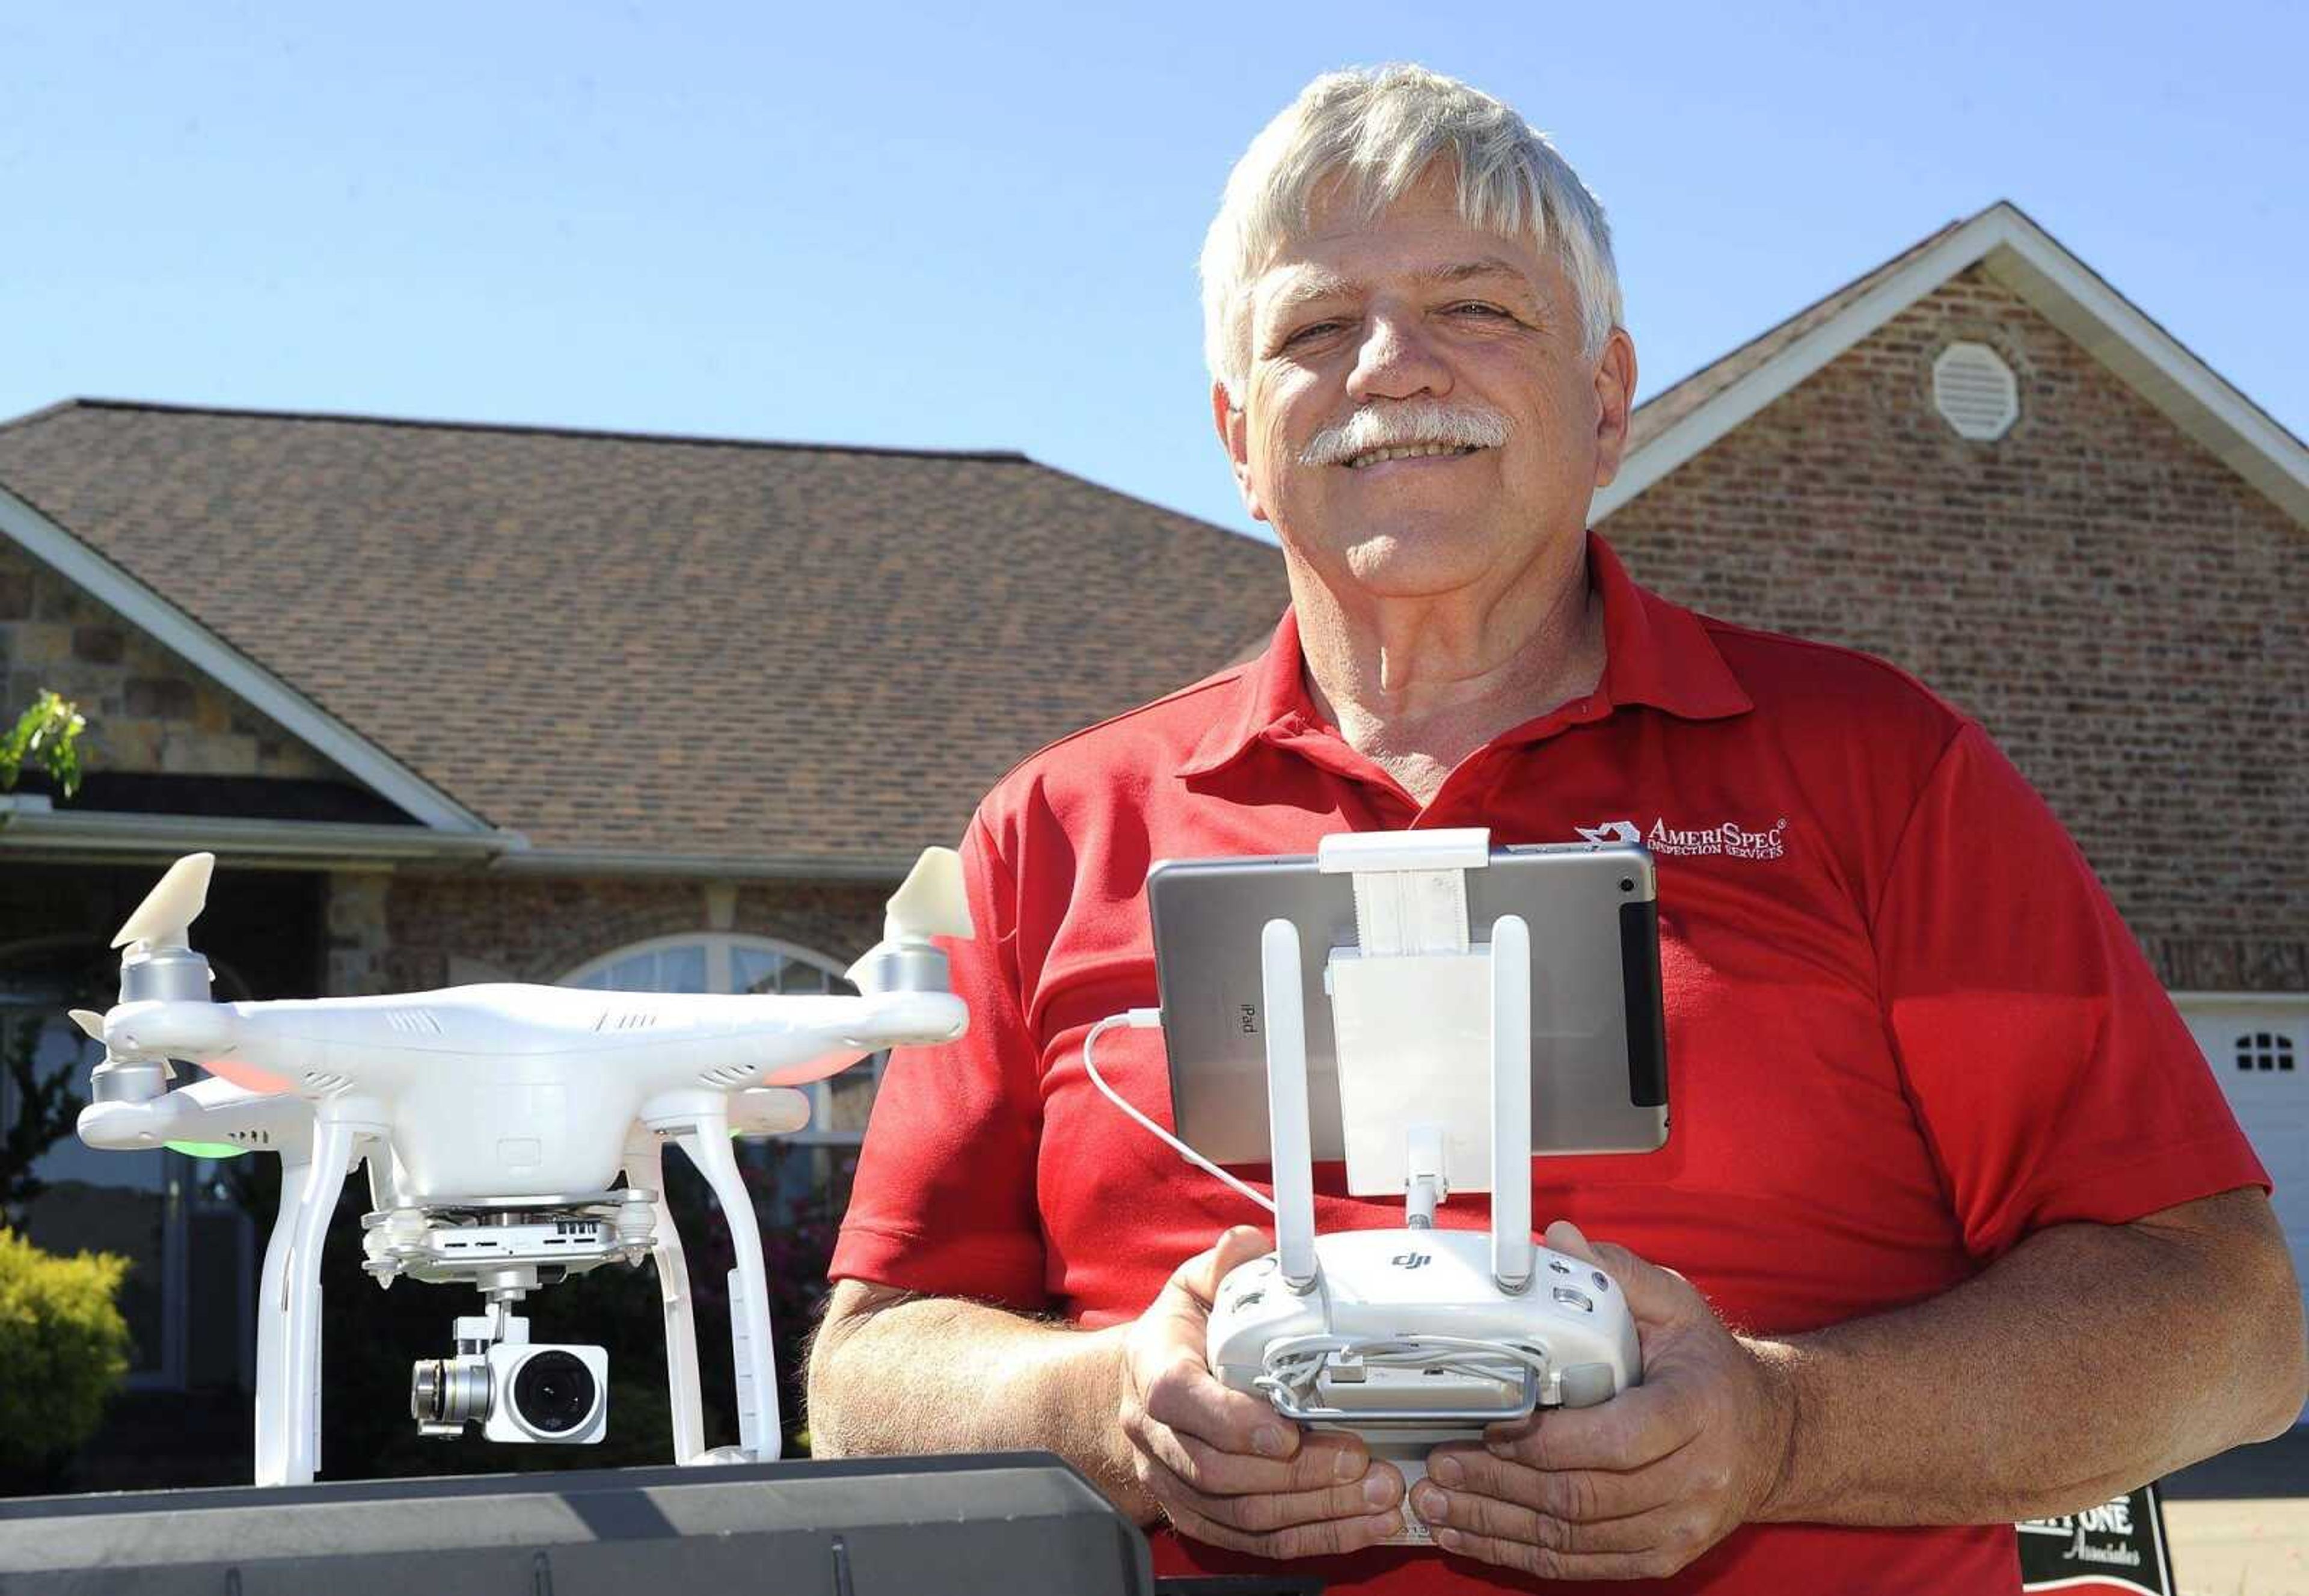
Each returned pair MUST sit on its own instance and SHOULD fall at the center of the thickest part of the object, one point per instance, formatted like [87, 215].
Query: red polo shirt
[1904, 1026]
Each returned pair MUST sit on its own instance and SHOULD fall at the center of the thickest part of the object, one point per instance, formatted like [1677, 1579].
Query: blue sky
[976, 227]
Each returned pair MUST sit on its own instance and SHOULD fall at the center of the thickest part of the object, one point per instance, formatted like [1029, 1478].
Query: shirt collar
[1655, 653]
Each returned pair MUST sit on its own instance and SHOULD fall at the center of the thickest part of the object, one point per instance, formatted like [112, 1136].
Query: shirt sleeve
[944, 1202]
[2050, 1074]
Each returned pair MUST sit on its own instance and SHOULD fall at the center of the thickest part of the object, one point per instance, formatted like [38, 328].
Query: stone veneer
[147, 711]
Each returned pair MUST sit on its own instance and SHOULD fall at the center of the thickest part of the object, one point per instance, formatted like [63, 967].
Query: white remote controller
[1411, 1337]
[1406, 1338]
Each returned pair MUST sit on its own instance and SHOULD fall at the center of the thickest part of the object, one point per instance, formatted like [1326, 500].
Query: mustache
[1405, 424]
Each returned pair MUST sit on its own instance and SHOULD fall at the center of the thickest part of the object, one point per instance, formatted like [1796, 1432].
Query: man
[1944, 1159]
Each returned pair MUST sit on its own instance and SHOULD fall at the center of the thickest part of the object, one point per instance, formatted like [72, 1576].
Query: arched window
[726, 962]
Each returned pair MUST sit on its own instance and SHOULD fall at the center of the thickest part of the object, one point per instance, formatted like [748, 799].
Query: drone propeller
[931, 902]
[165, 918]
[159, 963]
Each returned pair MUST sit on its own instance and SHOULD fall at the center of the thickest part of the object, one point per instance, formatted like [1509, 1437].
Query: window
[2265, 1050]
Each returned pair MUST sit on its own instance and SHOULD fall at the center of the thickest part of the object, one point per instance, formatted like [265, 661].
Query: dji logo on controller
[1409, 1260]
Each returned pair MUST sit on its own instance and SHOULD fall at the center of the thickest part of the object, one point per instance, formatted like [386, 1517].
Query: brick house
[457, 703]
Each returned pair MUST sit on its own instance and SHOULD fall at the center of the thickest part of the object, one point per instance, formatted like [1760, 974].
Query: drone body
[496, 1121]
[516, 1091]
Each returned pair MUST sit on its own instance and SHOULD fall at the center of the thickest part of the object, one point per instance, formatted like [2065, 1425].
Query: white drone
[495, 1120]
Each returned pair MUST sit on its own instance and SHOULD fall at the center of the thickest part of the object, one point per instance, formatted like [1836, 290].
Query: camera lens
[553, 1393]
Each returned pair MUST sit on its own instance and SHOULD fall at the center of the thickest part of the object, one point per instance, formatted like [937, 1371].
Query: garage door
[2258, 1047]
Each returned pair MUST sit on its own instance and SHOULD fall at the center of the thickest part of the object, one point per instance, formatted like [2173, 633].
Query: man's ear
[1616, 402]
[1234, 437]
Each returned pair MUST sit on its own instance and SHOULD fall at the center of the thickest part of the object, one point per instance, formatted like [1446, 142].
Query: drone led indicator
[247, 1076]
[205, 1149]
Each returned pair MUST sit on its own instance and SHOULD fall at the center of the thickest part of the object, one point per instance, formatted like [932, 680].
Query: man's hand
[1225, 1466]
[1636, 1486]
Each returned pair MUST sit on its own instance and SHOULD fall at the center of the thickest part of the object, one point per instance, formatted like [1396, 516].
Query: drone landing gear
[645, 1167]
[708, 1142]
[274, 1463]
[289, 1317]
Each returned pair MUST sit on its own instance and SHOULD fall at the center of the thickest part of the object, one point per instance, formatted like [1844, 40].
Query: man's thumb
[1201, 1274]
[1652, 1292]
[1565, 1236]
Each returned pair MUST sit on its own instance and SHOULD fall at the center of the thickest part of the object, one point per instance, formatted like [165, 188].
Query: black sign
[2117, 1548]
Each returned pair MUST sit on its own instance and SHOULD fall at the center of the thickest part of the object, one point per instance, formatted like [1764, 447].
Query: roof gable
[1679, 424]
[210, 654]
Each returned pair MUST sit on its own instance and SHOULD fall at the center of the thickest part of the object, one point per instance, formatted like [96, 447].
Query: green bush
[64, 1347]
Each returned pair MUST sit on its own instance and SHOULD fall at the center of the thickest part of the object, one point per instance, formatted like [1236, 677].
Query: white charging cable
[1294, 1363]
[1142, 1019]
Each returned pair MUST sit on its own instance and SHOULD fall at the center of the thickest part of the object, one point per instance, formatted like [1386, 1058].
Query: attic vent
[1975, 392]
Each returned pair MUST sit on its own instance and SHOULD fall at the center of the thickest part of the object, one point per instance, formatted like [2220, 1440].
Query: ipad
[1598, 1044]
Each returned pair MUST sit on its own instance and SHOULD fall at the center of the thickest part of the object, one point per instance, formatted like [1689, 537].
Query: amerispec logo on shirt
[1731, 839]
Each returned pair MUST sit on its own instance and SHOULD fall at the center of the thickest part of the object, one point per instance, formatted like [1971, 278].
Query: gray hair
[1377, 132]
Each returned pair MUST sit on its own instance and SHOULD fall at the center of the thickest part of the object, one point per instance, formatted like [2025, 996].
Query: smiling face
[1418, 414]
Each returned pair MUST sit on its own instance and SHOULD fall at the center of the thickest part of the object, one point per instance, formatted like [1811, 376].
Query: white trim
[2241, 1000]
[2025, 258]
[29, 824]
[211, 654]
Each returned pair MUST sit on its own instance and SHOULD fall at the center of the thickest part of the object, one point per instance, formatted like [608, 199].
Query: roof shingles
[658, 645]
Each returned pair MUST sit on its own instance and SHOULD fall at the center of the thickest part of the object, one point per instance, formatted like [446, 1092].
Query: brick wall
[147, 711]
[2127, 617]
[440, 928]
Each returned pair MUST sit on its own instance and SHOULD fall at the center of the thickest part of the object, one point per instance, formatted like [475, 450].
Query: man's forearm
[933, 1375]
[2089, 1360]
